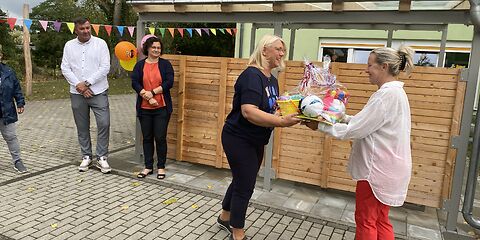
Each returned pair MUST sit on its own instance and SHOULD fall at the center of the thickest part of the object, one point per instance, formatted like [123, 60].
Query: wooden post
[222, 98]
[181, 108]
[26, 53]
[454, 131]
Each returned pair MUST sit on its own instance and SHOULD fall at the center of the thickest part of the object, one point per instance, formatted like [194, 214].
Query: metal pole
[240, 40]
[292, 43]
[269, 173]
[253, 33]
[443, 45]
[461, 142]
[390, 38]
[138, 130]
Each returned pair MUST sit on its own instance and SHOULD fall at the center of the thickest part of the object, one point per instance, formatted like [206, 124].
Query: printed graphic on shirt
[272, 98]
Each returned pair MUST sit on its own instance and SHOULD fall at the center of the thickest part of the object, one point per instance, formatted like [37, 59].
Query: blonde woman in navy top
[248, 127]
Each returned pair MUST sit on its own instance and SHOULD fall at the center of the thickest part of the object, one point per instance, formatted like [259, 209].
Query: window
[336, 54]
[425, 59]
[456, 59]
[361, 55]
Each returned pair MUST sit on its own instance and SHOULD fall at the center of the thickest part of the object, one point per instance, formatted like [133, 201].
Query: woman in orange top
[152, 79]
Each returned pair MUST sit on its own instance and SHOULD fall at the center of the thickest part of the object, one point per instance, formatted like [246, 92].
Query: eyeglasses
[156, 47]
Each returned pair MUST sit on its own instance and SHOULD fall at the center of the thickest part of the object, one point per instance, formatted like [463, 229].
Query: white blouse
[381, 151]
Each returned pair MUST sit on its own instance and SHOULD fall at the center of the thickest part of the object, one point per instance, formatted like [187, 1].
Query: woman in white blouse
[380, 160]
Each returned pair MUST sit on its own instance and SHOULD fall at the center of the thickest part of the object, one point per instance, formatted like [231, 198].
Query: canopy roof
[295, 5]
[305, 12]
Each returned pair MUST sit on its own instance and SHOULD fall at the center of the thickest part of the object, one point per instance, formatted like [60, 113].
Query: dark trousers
[244, 159]
[154, 125]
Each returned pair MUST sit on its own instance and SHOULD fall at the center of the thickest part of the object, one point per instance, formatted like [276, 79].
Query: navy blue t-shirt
[252, 87]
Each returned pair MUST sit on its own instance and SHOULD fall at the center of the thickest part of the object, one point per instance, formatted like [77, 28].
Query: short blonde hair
[397, 60]
[257, 59]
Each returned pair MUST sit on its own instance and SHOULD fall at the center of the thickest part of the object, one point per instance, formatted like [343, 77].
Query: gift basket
[318, 96]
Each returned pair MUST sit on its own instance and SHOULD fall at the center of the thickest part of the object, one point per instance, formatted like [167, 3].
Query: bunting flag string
[130, 30]
[28, 23]
[108, 28]
[71, 26]
[172, 31]
[120, 30]
[44, 24]
[57, 25]
[96, 28]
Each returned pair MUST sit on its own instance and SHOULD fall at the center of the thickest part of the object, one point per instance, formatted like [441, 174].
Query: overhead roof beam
[404, 5]
[338, 5]
[243, 2]
[393, 27]
[373, 17]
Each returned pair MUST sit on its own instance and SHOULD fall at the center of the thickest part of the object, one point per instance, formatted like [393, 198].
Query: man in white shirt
[85, 65]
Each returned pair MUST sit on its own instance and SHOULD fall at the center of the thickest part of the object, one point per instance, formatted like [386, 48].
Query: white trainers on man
[86, 160]
[102, 164]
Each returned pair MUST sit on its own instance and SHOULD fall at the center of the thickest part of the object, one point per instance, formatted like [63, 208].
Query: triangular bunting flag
[71, 26]
[130, 30]
[162, 31]
[222, 30]
[199, 31]
[206, 31]
[229, 31]
[151, 30]
[172, 31]
[120, 30]
[234, 31]
[11, 22]
[96, 28]
[180, 30]
[108, 28]
[189, 30]
[214, 31]
[44, 24]
[57, 25]
[28, 23]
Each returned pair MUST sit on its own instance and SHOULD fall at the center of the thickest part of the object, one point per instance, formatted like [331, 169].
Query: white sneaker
[85, 164]
[102, 164]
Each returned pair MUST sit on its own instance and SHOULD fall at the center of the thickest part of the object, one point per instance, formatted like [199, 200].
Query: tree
[11, 54]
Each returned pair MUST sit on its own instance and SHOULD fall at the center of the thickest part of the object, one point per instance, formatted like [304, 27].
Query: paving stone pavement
[55, 201]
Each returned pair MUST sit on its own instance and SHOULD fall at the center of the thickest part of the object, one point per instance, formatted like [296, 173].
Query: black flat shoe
[160, 176]
[143, 175]
[225, 225]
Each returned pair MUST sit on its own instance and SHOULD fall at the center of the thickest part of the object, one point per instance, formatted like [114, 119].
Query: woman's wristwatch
[153, 93]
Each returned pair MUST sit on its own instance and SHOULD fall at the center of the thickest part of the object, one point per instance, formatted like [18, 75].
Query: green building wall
[307, 41]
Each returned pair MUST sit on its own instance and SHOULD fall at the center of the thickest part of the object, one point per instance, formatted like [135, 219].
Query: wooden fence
[202, 97]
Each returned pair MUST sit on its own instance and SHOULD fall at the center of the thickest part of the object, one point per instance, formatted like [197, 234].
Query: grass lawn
[57, 89]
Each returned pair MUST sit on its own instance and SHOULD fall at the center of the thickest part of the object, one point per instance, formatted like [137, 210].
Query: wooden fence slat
[222, 88]
[181, 109]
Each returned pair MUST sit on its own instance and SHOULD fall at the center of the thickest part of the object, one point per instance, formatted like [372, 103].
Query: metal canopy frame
[279, 17]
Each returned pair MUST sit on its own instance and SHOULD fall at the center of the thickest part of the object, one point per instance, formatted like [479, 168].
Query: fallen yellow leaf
[170, 201]
[54, 225]
[194, 206]
[135, 184]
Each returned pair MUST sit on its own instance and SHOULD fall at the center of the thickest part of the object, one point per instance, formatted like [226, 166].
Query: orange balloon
[125, 51]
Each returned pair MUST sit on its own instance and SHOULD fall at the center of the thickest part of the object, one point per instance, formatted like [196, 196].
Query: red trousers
[371, 216]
